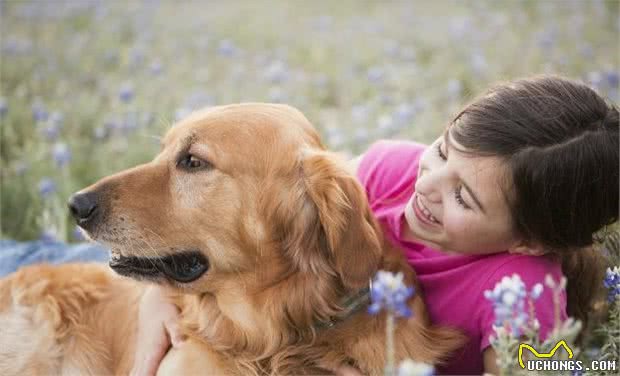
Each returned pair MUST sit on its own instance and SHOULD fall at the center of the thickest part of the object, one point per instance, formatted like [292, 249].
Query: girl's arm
[157, 330]
[490, 361]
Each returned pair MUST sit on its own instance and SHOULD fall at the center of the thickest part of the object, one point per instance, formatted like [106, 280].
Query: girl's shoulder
[531, 269]
[388, 166]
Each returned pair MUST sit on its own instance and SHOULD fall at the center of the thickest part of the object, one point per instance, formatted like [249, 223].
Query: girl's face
[459, 205]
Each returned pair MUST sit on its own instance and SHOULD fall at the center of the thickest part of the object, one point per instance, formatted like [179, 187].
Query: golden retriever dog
[262, 238]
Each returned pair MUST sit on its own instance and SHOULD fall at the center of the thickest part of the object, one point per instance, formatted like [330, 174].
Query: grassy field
[87, 87]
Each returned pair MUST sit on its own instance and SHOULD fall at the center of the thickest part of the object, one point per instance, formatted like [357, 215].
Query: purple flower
[612, 79]
[376, 74]
[156, 68]
[61, 154]
[50, 131]
[226, 48]
[39, 112]
[388, 291]
[404, 113]
[126, 92]
[77, 234]
[508, 297]
[48, 236]
[46, 187]
[3, 106]
[276, 72]
[612, 283]
[536, 291]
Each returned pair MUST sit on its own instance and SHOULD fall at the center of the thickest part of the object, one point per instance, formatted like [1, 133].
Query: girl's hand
[157, 330]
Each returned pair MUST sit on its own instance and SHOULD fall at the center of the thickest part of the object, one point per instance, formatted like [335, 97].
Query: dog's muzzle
[183, 267]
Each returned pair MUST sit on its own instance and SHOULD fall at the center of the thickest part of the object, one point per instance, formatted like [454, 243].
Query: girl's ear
[527, 249]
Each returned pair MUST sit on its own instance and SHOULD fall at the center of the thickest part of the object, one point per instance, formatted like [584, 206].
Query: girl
[519, 182]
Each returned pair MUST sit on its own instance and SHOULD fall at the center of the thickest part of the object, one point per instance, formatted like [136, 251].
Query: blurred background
[88, 87]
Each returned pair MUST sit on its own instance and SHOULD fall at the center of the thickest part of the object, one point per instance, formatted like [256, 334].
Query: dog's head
[241, 192]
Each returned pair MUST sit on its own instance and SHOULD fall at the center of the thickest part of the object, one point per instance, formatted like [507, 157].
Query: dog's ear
[348, 232]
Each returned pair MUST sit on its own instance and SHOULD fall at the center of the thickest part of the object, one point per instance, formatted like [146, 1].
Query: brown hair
[559, 140]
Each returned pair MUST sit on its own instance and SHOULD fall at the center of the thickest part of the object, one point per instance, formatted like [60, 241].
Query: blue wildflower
[50, 130]
[276, 72]
[48, 236]
[39, 112]
[3, 106]
[404, 113]
[612, 283]
[536, 291]
[156, 68]
[126, 92]
[46, 187]
[376, 74]
[389, 292]
[78, 234]
[61, 154]
[612, 78]
[226, 48]
[508, 297]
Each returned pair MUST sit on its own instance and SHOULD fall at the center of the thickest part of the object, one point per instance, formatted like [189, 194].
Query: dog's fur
[288, 234]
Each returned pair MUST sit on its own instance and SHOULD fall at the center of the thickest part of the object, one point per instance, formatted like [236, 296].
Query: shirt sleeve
[389, 167]
[532, 270]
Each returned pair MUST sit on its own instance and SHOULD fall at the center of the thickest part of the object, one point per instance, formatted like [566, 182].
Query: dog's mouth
[183, 267]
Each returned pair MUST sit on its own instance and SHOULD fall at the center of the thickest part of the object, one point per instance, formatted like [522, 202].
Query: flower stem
[389, 348]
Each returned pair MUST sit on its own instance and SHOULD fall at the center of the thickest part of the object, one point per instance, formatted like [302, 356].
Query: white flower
[536, 291]
[410, 368]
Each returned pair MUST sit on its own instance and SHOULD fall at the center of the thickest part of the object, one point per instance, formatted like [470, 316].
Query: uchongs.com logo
[544, 361]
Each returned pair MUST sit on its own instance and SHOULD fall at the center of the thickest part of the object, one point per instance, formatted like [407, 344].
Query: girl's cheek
[459, 225]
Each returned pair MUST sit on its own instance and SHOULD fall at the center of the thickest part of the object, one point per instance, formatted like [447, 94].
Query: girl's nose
[428, 184]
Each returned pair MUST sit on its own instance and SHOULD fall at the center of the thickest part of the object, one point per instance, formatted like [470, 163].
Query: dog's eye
[190, 162]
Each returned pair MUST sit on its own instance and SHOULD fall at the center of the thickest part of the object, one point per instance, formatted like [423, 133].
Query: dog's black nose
[83, 207]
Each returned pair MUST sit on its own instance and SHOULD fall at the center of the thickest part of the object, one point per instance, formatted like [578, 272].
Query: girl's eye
[459, 198]
[190, 162]
[441, 154]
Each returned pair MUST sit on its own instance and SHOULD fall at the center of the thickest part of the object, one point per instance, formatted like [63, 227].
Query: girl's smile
[416, 209]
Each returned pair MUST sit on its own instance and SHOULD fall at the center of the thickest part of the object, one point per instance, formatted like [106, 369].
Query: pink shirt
[453, 285]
